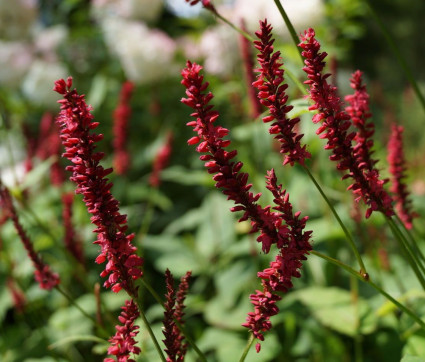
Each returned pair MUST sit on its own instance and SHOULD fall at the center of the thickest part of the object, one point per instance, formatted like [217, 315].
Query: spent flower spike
[334, 127]
[175, 348]
[397, 163]
[76, 124]
[271, 92]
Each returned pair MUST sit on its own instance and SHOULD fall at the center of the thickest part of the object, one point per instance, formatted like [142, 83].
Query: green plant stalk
[398, 55]
[290, 27]
[354, 286]
[346, 232]
[247, 348]
[410, 255]
[149, 329]
[239, 30]
[372, 284]
[411, 238]
[182, 329]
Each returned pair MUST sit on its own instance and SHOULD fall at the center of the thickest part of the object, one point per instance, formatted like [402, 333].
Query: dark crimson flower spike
[76, 125]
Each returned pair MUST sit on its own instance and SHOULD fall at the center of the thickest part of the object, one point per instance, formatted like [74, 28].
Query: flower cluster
[120, 129]
[227, 175]
[271, 87]
[43, 275]
[161, 161]
[359, 112]
[335, 123]
[397, 164]
[281, 227]
[174, 305]
[207, 4]
[286, 265]
[123, 343]
[76, 124]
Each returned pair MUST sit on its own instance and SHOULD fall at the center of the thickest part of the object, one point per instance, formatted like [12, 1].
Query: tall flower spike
[76, 123]
[286, 265]
[367, 184]
[360, 113]
[43, 275]
[174, 306]
[123, 343]
[271, 87]
[122, 115]
[397, 164]
[219, 162]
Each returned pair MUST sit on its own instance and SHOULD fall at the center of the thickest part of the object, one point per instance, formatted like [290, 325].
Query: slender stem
[290, 27]
[410, 255]
[346, 232]
[247, 348]
[239, 30]
[398, 54]
[150, 331]
[83, 312]
[372, 284]
[182, 329]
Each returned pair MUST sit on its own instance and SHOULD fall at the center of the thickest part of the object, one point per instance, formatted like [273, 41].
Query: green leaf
[334, 308]
[409, 358]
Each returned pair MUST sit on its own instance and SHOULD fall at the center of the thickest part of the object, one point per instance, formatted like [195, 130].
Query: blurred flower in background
[145, 54]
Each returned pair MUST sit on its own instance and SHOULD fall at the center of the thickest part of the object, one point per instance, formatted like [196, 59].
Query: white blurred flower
[39, 81]
[219, 47]
[146, 54]
[17, 18]
[302, 13]
[15, 59]
[47, 40]
[145, 10]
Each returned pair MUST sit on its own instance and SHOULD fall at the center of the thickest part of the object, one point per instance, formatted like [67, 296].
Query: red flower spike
[286, 265]
[360, 113]
[397, 164]
[281, 227]
[124, 343]
[227, 172]
[43, 275]
[207, 4]
[271, 92]
[76, 123]
[335, 123]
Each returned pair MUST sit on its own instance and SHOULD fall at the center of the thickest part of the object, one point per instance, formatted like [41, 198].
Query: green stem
[398, 55]
[290, 27]
[346, 232]
[239, 30]
[410, 255]
[372, 284]
[182, 329]
[149, 329]
[83, 312]
[247, 348]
